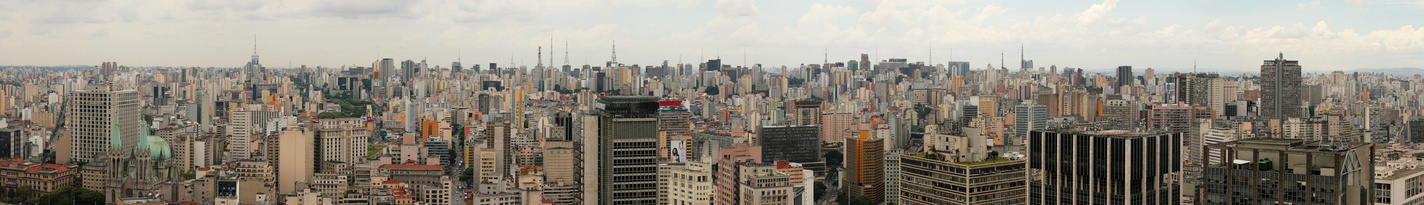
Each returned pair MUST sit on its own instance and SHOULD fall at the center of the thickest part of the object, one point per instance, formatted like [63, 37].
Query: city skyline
[1095, 35]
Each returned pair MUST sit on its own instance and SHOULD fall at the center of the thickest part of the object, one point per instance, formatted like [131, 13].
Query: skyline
[1088, 34]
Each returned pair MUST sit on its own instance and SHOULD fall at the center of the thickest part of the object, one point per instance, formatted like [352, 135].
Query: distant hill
[1395, 71]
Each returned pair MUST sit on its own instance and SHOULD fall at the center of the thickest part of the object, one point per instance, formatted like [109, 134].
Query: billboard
[677, 151]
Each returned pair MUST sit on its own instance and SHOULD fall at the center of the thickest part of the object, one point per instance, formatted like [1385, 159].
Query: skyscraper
[1280, 89]
[1103, 167]
[1027, 116]
[864, 167]
[1289, 171]
[627, 154]
[1124, 76]
[93, 115]
[799, 144]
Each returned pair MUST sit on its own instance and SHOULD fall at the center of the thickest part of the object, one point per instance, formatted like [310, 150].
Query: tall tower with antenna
[540, 62]
[614, 61]
[566, 52]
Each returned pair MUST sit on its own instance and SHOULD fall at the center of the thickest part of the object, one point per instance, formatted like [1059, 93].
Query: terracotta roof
[42, 167]
[399, 193]
[412, 166]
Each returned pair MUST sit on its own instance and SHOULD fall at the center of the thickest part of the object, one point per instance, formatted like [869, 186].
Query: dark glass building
[1104, 167]
[627, 150]
[799, 144]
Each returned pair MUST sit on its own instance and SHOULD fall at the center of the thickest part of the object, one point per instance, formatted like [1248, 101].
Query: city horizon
[1329, 35]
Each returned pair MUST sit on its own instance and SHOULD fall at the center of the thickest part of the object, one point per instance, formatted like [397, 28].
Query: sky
[1091, 34]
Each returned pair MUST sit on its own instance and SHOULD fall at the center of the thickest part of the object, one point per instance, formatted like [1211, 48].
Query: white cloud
[1097, 11]
[738, 7]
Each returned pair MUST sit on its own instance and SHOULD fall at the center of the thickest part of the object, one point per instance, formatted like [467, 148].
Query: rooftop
[413, 167]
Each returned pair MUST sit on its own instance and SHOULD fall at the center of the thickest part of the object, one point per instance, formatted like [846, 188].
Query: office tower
[94, 113]
[893, 172]
[799, 144]
[1280, 89]
[1289, 171]
[836, 126]
[295, 158]
[340, 140]
[1176, 118]
[762, 183]
[455, 67]
[865, 167]
[713, 65]
[806, 112]
[627, 152]
[688, 183]
[728, 173]
[1027, 116]
[1124, 76]
[674, 119]
[1195, 88]
[1103, 167]
[560, 162]
[958, 68]
[992, 180]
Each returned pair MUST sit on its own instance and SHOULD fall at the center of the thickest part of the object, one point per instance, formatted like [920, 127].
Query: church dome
[157, 148]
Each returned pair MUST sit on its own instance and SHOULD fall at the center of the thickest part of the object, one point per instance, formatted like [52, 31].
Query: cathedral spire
[116, 141]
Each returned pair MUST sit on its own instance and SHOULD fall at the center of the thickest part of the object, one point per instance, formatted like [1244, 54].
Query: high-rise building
[1124, 76]
[727, 183]
[763, 183]
[865, 167]
[688, 183]
[990, 181]
[674, 119]
[1195, 88]
[1289, 171]
[798, 144]
[1280, 89]
[295, 158]
[341, 140]
[627, 153]
[806, 112]
[893, 171]
[1103, 167]
[1027, 116]
[94, 114]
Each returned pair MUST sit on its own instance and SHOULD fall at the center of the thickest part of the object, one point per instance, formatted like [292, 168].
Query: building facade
[1289, 171]
[627, 153]
[1103, 167]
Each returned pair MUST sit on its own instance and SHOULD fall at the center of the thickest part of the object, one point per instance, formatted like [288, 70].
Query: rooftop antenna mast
[615, 52]
[566, 52]
[551, 49]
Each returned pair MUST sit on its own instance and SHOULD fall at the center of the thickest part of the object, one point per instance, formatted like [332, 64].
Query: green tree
[860, 200]
[468, 175]
[713, 90]
[834, 160]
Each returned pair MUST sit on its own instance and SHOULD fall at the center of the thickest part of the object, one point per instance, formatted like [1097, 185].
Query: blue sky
[1166, 35]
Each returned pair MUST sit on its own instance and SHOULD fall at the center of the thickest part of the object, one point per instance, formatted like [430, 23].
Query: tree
[834, 158]
[468, 175]
[860, 200]
[713, 90]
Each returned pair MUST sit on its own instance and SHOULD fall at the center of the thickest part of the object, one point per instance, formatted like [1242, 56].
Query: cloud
[986, 12]
[1097, 11]
[737, 7]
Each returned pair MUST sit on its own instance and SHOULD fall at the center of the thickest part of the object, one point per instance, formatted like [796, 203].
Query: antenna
[566, 52]
[615, 52]
[551, 49]
[1021, 58]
